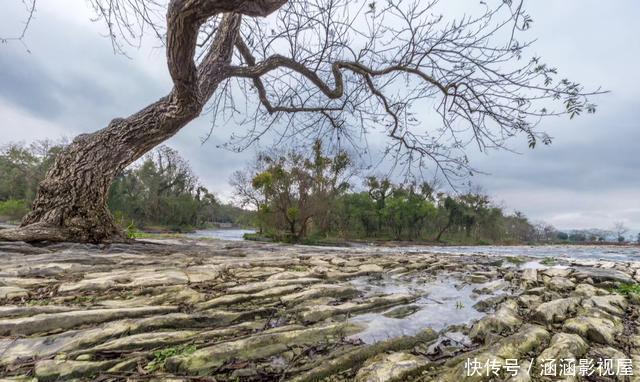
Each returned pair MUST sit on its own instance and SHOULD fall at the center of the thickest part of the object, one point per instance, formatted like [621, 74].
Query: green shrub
[627, 289]
[13, 209]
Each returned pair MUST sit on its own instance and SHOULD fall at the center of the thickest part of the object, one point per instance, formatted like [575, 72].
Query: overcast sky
[71, 82]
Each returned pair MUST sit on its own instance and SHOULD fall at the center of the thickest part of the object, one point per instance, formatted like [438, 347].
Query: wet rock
[370, 269]
[599, 275]
[599, 354]
[125, 279]
[587, 290]
[357, 356]
[504, 320]
[23, 282]
[529, 301]
[615, 304]
[564, 346]
[387, 367]
[561, 284]
[556, 310]
[321, 312]
[557, 272]
[596, 329]
[11, 311]
[43, 323]
[321, 290]
[52, 370]
[257, 347]
[402, 311]
[536, 291]
[9, 292]
[528, 339]
[477, 279]
[181, 295]
[529, 277]
[11, 350]
[145, 341]
[491, 287]
[490, 303]
[264, 285]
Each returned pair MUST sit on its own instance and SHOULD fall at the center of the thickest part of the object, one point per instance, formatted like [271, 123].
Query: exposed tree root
[39, 232]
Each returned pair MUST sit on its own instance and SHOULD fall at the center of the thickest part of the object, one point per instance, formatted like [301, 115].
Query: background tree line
[313, 196]
[159, 192]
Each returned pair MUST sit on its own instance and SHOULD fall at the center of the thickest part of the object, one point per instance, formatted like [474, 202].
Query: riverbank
[178, 310]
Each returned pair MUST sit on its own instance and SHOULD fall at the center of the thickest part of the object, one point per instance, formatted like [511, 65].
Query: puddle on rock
[444, 302]
[539, 266]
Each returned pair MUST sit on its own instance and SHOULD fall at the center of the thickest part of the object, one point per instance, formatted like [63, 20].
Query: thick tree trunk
[71, 203]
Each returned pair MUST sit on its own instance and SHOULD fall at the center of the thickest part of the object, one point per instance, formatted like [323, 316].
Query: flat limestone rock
[72, 340]
[504, 320]
[557, 272]
[387, 367]
[596, 329]
[21, 311]
[9, 292]
[263, 285]
[145, 341]
[614, 304]
[402, 311]
[600, 275]
[124, 280]
[608, 353]
[53, 370]
[43, 323]
[491, 287]
[556, 310]
[320, 290]
[181, 295]
[23, 282]
[560, 284]
[318, 313]
[257, 347]
[529, 277]
[528, 339]
[516, 346]
[587, 290]
[529, 301]
[564, 346]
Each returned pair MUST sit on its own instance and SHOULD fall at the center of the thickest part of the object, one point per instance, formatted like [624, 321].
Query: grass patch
[147, 235]
[515, 260]
[549, 261]
[161, 356]
[627, 289]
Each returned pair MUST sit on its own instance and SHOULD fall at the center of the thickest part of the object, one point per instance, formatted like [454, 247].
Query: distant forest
[309, 196]
[160, 192]
[291, 196]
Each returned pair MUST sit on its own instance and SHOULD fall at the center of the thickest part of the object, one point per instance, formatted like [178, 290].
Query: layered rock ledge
[241, 311]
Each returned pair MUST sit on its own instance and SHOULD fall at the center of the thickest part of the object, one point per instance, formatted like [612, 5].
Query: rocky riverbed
[237, 311]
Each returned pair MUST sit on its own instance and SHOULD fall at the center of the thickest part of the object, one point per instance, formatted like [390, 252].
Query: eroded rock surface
[182, 310]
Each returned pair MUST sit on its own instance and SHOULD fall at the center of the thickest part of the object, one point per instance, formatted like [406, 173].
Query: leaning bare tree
[338, 69]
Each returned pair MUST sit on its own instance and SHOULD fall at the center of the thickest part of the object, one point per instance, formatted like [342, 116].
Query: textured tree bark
[71, 203]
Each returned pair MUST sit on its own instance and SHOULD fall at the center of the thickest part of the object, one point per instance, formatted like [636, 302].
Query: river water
[221, 234]
[579, 252]
[569, 252]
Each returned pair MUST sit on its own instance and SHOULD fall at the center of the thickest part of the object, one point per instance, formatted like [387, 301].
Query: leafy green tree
[300, 189]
